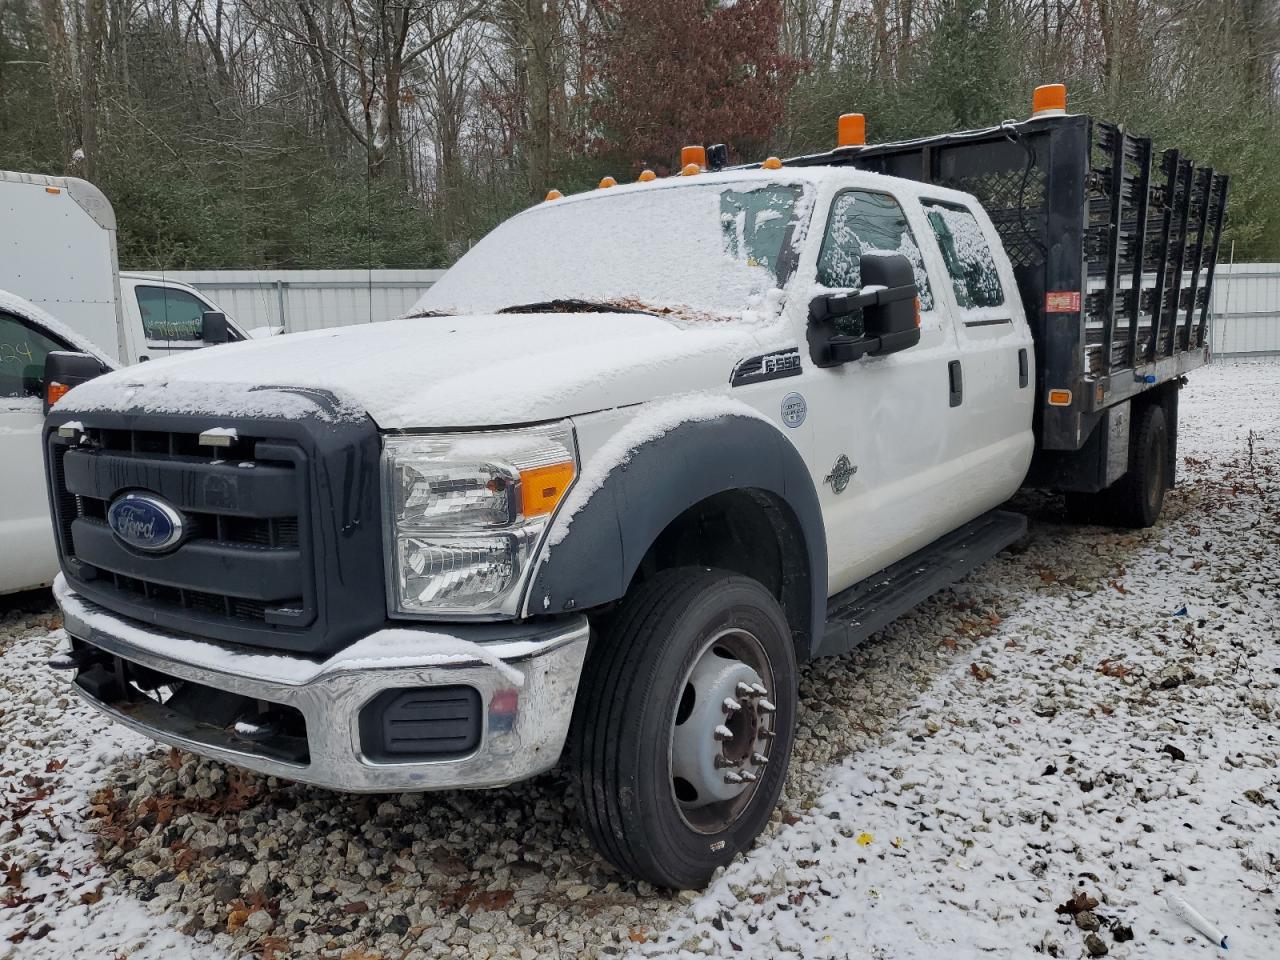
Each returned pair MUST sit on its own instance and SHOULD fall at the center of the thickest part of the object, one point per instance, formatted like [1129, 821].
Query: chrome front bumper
[527, 678]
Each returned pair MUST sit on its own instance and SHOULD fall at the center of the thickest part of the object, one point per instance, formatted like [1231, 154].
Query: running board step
[868, 606]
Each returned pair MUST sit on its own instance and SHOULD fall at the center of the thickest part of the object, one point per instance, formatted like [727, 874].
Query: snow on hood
[469, 371]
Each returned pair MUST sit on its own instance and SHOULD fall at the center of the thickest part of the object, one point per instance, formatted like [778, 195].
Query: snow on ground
[57, 901]
[1116, 735]
[1055, 726]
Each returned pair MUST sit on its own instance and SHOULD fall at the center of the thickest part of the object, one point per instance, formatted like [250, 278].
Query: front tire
[685, 724]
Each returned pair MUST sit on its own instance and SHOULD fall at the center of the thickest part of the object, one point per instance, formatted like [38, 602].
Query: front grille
[224, 513]
[281, 544]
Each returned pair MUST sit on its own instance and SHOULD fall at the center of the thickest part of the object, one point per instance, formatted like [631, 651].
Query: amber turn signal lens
[1049, 99]
[1059, 398]
[646, 175]
[553, 195]
[851, 130]
[772, 163]
[690, 170]
[693, 155]
[541, 488]
[606, 182]
[55, 391]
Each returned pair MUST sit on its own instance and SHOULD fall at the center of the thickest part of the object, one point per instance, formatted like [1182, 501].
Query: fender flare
[610, 534]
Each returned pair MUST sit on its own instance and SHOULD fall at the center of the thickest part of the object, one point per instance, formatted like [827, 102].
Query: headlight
[466, 512]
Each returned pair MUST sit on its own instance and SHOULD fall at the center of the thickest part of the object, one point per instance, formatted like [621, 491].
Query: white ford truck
[641, 452]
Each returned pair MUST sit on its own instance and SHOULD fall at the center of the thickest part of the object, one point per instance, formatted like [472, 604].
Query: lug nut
[759, 759]
[731, 705]
[723, 733]
[758, 689]
[744, 690]
[765, 734]
[766, 706]
[721, 762]
[733, 778]
[749, 777]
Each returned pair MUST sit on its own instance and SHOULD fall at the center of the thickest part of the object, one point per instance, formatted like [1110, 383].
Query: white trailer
[58, 251]
[61, 290]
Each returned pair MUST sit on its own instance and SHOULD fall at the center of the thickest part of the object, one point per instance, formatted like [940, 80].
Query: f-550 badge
[841, 474]
[767, 366]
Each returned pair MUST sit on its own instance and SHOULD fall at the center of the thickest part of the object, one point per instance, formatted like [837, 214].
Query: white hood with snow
[436, 372]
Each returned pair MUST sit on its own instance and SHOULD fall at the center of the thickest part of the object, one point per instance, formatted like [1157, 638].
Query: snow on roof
[12, 303]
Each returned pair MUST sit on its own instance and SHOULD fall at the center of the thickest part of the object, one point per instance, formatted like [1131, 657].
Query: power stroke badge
[841, 474]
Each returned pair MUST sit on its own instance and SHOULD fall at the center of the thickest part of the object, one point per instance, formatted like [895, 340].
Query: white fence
[1246, 309]
[1245, 317]
[310, 299]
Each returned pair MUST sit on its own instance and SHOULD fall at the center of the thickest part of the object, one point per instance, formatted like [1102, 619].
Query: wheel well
[751, 532]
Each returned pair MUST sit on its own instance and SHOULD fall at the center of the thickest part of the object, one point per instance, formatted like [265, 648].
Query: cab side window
[967, 255]
[169, 314]
[22, 351]
[865, 222]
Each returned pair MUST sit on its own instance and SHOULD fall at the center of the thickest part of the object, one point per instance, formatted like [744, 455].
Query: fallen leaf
[864, 839]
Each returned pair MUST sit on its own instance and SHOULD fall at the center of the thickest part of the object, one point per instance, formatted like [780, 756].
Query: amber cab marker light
[53, 190]
[553, 195]
[607, 182]
[56, 391]
[690, 170]
[646, 175]
[1059, 398]
[772, 163]
[542, 487]
[693, 155]
[851, 130]
[1049, 100]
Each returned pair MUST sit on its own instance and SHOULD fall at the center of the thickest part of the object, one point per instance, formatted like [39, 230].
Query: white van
[61, 289]
[58, 251]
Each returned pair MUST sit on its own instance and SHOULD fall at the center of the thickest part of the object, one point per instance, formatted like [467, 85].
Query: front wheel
[684, 726]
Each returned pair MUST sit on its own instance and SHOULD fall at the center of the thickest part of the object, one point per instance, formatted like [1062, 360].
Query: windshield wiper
[572, 305]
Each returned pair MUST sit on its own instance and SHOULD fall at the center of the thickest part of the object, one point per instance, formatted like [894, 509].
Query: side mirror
[64, 370]
[214, 327]
[888, 305]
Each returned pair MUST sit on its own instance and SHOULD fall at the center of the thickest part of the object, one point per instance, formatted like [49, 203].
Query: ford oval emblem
[145, 522]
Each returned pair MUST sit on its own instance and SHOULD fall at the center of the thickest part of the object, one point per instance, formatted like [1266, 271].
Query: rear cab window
[866, 221]
[966, 253]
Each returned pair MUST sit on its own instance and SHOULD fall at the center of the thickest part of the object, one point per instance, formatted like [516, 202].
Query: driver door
[29, 558]
[889, 416]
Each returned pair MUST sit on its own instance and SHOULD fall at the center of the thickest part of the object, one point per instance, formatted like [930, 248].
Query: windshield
[712, 248]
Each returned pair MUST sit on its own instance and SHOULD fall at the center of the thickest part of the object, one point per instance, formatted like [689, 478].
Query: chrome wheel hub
[723, 732]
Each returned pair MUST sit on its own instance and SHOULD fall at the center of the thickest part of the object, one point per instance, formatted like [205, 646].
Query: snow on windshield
[713, 248]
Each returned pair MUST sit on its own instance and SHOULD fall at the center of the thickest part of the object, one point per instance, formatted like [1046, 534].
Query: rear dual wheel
[685, 723]
[1136, 499]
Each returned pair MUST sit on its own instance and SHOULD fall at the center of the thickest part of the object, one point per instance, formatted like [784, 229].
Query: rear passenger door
[990, 385]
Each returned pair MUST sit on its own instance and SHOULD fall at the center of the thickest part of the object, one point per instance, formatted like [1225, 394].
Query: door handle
[1024, 368]
[956, 379]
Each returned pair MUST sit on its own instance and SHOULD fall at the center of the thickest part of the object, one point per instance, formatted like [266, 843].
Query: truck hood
[437, 372]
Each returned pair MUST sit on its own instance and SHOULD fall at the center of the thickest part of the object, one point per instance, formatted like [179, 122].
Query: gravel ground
[1056, 726]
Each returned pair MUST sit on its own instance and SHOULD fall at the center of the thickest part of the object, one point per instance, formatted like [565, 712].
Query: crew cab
[640, 453]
